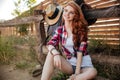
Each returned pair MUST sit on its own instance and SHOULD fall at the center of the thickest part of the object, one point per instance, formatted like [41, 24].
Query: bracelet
[52, 50]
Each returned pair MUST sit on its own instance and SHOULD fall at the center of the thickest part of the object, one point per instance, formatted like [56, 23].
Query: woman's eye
[71, 12]
[65, 10]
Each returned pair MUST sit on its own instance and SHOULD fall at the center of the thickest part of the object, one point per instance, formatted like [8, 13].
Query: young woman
[73, 39]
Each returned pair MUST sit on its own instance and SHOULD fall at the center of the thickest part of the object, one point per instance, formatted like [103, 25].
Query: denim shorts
[74, 68]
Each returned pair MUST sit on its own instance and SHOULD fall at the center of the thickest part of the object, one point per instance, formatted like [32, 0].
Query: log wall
[106, 29]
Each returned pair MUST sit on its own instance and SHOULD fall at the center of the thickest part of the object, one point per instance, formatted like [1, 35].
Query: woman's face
[68, 13]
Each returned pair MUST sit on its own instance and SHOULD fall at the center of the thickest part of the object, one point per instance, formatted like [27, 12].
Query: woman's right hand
[57, 61]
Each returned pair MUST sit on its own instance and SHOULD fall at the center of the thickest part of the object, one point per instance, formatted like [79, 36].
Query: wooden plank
[109, 31]
[93, 2]
[112, 42]
[106, 40]
[87, 1]
[104, 3]
[104, 32]
[104, 36]
[116, 28]
[107, 5]
[96, 2]
[102, 21]
[93, 33]
[110, 18]
[105, 25]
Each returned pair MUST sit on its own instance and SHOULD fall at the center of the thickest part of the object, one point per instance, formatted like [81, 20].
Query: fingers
[58, 64]
[72, 77]
[57, 61]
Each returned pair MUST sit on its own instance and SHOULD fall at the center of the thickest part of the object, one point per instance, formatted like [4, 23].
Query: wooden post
[41, 36]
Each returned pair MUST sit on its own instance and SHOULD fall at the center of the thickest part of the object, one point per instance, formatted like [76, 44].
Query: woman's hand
[72, 77]
[57, 61]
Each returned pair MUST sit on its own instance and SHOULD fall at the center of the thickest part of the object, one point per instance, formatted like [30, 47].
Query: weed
[22, 65]
[60, 76]
[7, 51]
[99, 46]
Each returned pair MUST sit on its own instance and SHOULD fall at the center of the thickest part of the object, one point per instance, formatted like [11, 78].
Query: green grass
[60, 76]
[99, 46]
[7, 51]
[22, 65]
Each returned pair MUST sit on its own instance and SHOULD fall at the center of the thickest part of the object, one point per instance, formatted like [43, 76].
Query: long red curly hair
[79, 25]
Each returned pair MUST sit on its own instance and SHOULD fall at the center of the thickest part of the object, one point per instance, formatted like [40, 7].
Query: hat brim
[54, 21]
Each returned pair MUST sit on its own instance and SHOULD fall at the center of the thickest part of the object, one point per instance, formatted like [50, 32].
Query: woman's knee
[94, 71]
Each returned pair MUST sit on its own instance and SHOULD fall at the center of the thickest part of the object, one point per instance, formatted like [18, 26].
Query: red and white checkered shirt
[60, 36]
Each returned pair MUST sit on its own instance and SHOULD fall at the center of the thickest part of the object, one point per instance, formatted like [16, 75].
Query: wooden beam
[24, 20]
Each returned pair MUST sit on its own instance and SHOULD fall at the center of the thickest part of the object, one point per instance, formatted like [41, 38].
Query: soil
[8, 72]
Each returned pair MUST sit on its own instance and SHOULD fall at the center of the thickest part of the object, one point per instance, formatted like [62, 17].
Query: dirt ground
[8, 72]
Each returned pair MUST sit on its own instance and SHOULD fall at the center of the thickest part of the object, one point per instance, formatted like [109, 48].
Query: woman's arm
[56, 37]
[81, 51]
[78, 63]
[52, 50]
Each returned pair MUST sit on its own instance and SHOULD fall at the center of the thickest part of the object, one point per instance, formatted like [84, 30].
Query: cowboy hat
[53, 13]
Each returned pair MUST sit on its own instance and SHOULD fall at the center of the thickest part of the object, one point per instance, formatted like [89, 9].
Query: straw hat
[53, 13]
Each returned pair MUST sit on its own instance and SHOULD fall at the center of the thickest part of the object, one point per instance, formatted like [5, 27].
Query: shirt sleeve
[55, 38]
[83, 48]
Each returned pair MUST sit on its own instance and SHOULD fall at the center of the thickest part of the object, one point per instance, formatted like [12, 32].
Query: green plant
[60, 76]
[22, 29]
[32, 53]
[19, 40]
[95, 46]
[99, 46]
[7, 51]
[107, 70]
[22, 65]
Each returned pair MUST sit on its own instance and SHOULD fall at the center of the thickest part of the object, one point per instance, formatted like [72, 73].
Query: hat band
[55, 14]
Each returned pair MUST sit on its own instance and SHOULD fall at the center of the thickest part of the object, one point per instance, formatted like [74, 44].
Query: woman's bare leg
[87, 74]
[48, 67]
[66, 66]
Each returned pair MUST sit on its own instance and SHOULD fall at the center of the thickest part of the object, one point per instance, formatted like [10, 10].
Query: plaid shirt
[60, 36]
